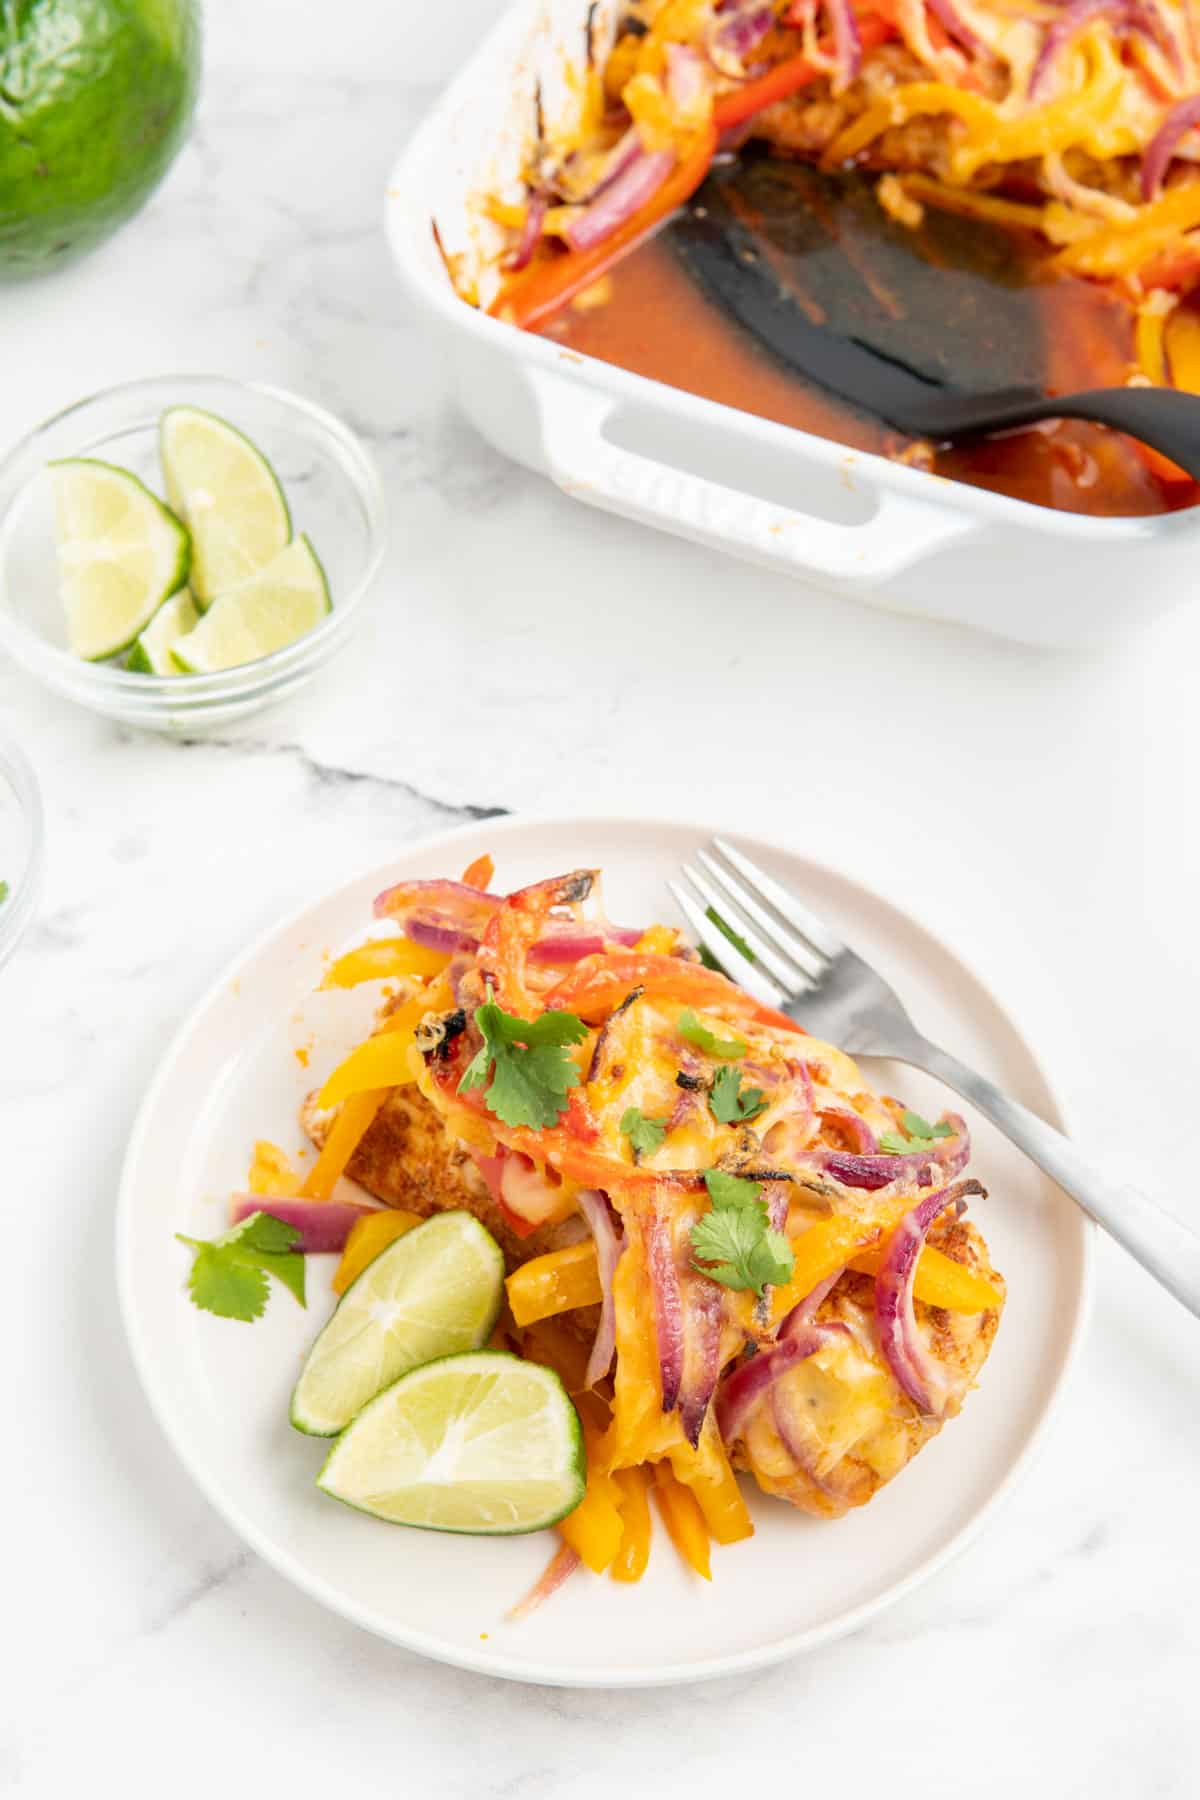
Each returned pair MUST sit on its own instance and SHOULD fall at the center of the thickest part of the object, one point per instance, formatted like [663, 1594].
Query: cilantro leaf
[727, 931]
[229, 1274]
[690, 1027]
[918, 1134]
[731, 1103]
[3, 892]
[531, 1073]
[734, 1244]
[645, 1135]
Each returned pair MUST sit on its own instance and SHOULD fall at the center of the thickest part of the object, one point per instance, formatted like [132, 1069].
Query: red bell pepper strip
[548, 284]
[788, 77]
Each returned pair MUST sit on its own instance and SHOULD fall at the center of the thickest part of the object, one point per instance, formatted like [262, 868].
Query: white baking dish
[841, 520]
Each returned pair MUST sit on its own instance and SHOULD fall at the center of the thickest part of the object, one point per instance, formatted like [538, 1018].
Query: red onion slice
[917, 1372]
[799, 1337]
[633, 187]
[1069, 22]
[737, 35]
[1179, 121]
[560, 1568]
[703, 1312]
[685, 77]
[324, 1225]
[957, 26]
[945, 1158]
[668, 1308]
[596, 1210]
[847, 45]
[439, 906]
[531, 231]
[565, 943]
[863, 1139]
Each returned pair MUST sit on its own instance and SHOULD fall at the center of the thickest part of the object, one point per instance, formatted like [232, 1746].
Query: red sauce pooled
[656, 322]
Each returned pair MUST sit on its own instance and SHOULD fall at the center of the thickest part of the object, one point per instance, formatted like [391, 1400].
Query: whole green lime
[95, 99]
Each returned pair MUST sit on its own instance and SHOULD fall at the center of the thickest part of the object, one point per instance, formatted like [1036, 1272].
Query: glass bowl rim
[99, 680]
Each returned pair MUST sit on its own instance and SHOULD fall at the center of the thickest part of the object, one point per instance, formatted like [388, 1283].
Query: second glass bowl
[332, 488]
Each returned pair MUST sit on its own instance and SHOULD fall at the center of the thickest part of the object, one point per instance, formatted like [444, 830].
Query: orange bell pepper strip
[538, 291]
[379, 961]
[788, 77]
[634, 1553]
[555, 1283]
[383, 1061]
[707, 1474]
[827, 1247]
[599, 983]
[348, 1131]
[367, 1239]
[594, 1529]
[478, 874]
[683, 1519]
[939, 1281]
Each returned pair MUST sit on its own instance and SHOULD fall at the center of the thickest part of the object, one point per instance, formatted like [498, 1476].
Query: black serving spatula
[935, 332]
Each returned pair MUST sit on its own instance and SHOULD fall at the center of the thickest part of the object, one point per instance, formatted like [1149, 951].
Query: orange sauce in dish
[650, 318]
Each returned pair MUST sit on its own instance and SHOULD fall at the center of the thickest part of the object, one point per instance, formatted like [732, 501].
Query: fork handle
[1162, 1244]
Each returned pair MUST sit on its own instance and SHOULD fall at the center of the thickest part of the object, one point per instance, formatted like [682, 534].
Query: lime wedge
[227, 493]
[483, 1443]
[120, 554]
[275, 607]
[151, 655]
[430, 1293]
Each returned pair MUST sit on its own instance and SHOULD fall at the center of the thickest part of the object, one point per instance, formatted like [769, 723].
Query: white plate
[220, 1389]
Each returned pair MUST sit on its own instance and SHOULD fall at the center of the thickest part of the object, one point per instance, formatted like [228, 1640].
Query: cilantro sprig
[3, 892]
[229, 1274]
[734, 1243]
[691, 1028]
[731, 1103]
[531, 1073]
[918, 1135]
[645, 1135]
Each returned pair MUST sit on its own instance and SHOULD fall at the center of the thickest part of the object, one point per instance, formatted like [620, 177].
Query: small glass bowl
[332, 489]
[22, 846]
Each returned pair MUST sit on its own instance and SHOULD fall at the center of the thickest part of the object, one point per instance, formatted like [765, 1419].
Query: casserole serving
[848, 521]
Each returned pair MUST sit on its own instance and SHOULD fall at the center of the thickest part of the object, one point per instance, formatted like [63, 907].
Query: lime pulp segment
[433, 1292]
[121, 554]
[227, 493]
[151, 655]
[274, 608]
[483, 1443]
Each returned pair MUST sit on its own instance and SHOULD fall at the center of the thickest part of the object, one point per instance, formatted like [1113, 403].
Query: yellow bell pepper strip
[271, 1172]
[347, 1132]
[683, 1519]
[367, 1239]
[1183, 349]
[383, 1061]
[478, 874]
[706, 1473]
[558, 1349]
[634, 1553]
[555, 1283]
[939, 1281]
[594, 1529]
[383, 960]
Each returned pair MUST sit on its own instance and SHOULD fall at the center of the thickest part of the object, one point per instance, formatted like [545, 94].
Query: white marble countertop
[1042, 806]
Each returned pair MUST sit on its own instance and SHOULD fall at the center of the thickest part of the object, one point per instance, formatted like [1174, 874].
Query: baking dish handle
[582, 462]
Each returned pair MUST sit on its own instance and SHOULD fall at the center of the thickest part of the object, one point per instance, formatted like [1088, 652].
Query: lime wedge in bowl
[151, 655]
[482, 1443]
[272, 609]
[433, 1292]
[121, 554]
[229, 496]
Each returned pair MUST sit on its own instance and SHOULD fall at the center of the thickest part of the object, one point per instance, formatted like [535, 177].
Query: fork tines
[762, 936]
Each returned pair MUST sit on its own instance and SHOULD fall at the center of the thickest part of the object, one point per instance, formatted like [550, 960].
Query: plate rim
[483, 1661]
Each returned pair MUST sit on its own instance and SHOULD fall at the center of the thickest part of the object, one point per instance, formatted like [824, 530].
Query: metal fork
[799, 965]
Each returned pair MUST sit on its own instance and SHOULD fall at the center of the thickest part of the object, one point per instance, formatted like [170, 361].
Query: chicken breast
[833, 1430]
[406, 1159]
